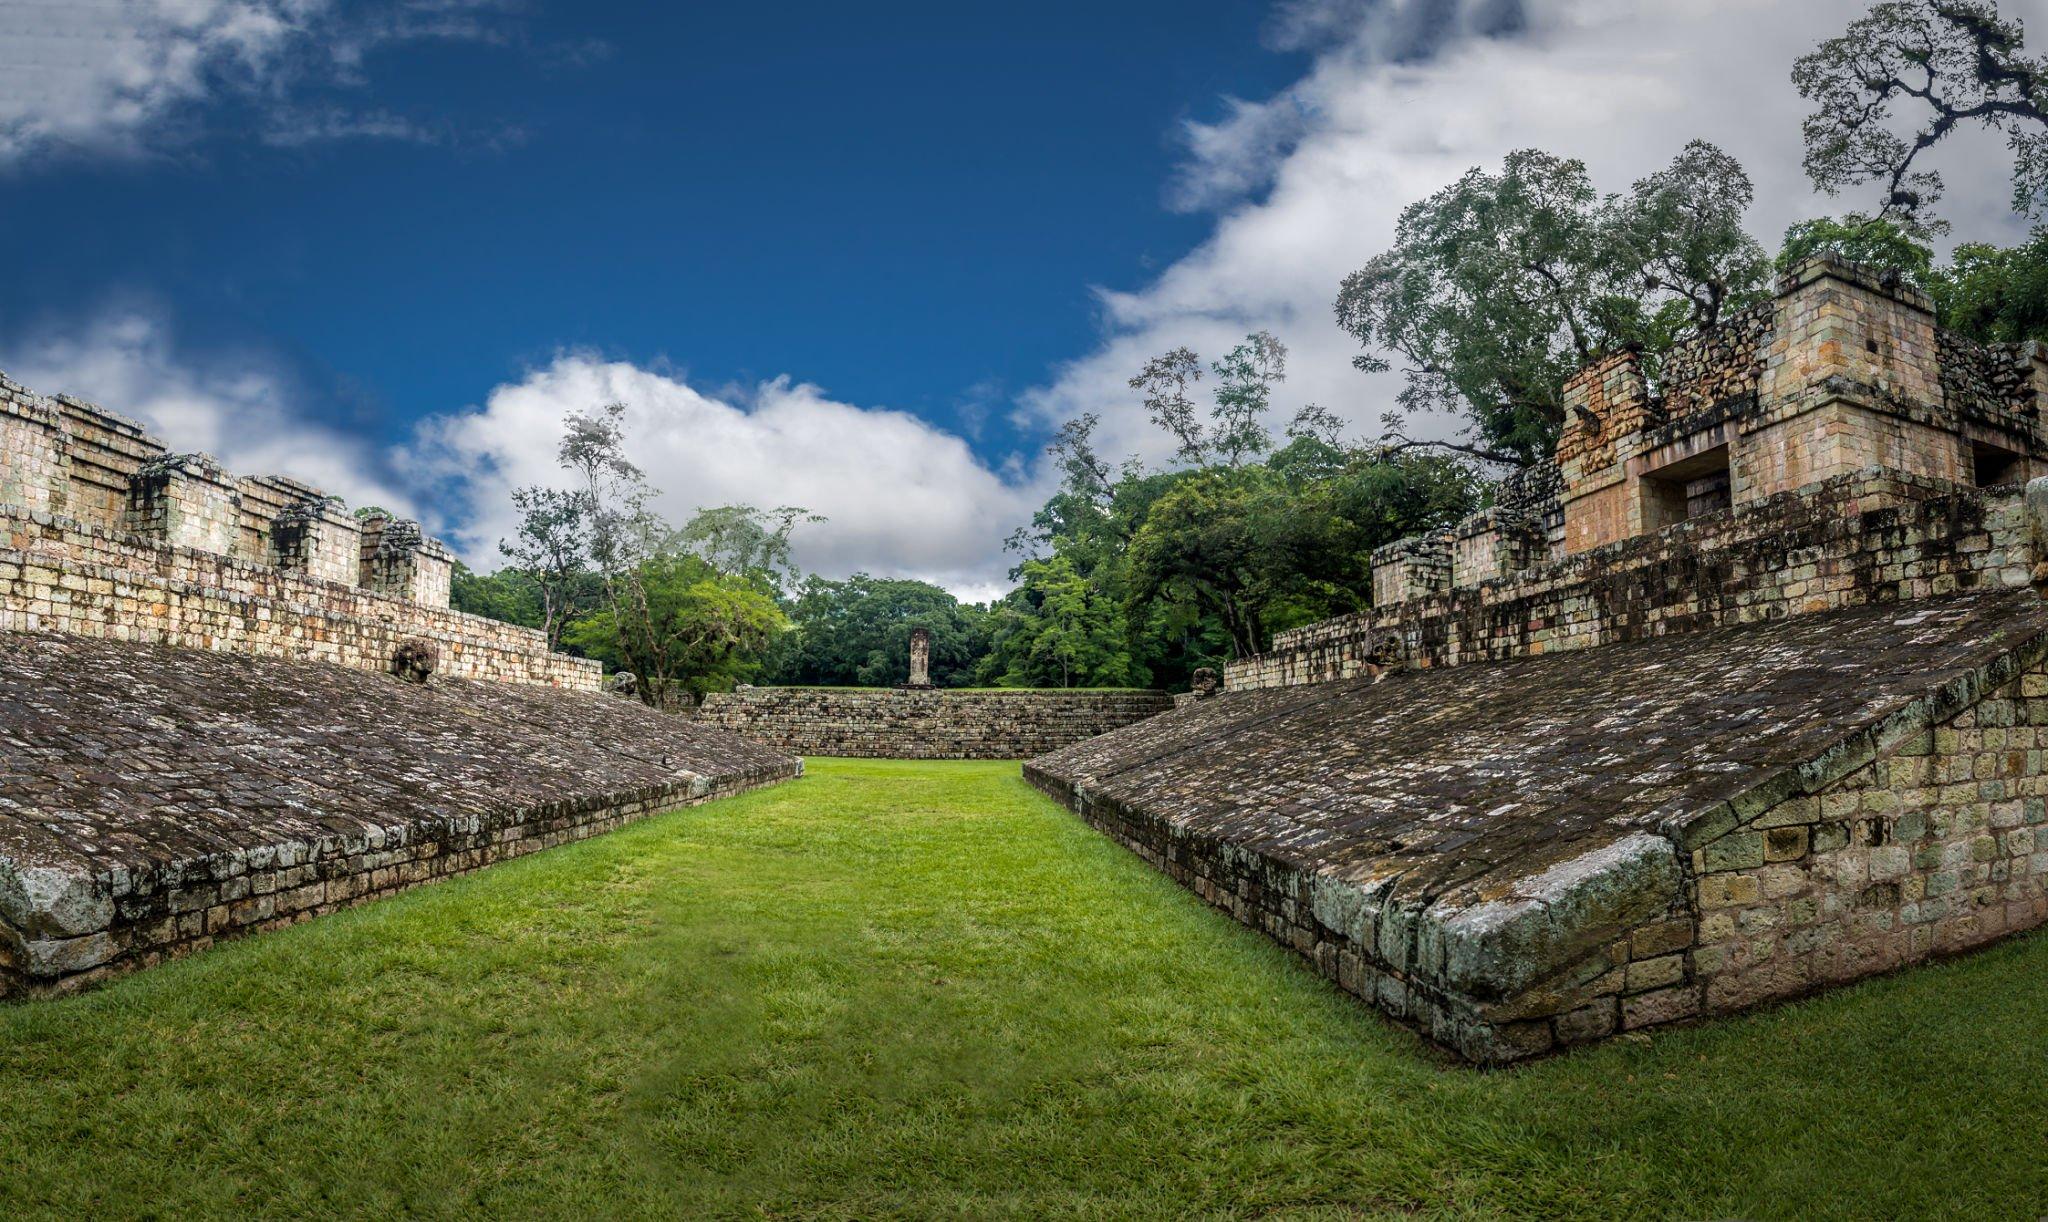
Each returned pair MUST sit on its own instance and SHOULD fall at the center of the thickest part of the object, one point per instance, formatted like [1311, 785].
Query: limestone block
[185, 500]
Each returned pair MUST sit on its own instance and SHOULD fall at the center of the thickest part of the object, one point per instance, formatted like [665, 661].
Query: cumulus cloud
[121, 77]
[1401, 97]
[901, 496]
[240, 407]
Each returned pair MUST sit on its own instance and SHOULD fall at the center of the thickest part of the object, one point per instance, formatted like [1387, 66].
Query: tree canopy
[1501, 285]
[1950, 64]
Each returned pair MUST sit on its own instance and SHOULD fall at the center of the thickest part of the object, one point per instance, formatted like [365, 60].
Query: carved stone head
[1204, 682]
[414, 660]
[624, 683]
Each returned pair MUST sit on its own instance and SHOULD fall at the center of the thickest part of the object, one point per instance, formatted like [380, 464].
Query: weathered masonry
[226, 704]
[105, 533]
[1745, 696]
[925, 722]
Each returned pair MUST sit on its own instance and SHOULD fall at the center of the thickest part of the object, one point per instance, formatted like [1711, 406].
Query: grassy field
[922, 989]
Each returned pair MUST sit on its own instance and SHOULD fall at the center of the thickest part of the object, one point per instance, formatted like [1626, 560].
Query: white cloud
[125, 77]
[1401, 98]
[238, 407]
[901, 497]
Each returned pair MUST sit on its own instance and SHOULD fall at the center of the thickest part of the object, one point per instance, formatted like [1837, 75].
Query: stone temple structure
[1742, 696]
[227, 704]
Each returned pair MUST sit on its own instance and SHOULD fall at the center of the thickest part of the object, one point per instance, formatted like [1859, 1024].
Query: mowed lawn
[922, 989]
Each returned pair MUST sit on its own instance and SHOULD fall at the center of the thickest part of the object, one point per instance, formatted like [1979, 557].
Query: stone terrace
[155, 799]
[1737, 695]
[926, 723]
[1517, 855]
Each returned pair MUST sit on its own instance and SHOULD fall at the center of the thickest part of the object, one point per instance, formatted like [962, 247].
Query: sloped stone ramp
[1516, 856]
[154, 799]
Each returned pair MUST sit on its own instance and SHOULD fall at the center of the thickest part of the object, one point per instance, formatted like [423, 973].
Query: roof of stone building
[122, 755]
[1459, 782]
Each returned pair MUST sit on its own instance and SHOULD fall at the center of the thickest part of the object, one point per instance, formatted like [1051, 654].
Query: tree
[1994, 295]
[1228, 542]
[1083, 472]
[856, 632]
[689, 624]
[1500, 286]
[1874, 241]
[742, 541]
[1061, 632]
[1317, 422]
[1164, 382]
[508, 596]
[1488, 295]
[549, 549]
[1681, 230]
[1245, 378]
[637, 627]
[1956, 62]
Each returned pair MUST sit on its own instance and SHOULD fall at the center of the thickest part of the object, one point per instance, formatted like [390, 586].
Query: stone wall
[926, 724]
[1872, 537]
[1938, 845]
[1720, 365]
[1519, 856]
[154, 800]
[61, 575]
[104, 533]
[1842, 371]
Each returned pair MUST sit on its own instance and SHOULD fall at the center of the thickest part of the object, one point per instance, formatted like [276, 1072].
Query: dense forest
[1494, 290]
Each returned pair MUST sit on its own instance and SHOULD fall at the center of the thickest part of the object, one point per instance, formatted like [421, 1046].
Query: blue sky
[907, 206]
[861, 258]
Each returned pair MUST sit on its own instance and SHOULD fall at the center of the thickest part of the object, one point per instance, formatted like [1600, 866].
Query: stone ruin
[1743, 695]
[227, 704]
[920, 661]
[919, 720]
[927, 723]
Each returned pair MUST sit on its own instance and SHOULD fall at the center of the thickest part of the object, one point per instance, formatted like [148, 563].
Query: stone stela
[920, 661]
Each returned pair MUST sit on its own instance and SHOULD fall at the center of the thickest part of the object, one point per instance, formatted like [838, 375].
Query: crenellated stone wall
[1692, 501]
[1870, 537]
[61, 575]
[927, 723]
[104, 533]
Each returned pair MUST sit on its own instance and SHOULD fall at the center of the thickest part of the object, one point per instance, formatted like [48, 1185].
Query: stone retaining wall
[154, 800]
[1515, 857]
[1871, 537]
[935, 724]
[61, 575]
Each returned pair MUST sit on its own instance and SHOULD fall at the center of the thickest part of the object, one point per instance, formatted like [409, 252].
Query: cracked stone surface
[146, 791]
[1477, 830]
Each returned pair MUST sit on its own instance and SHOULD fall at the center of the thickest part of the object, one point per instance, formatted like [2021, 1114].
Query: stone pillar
[398, 559]
[1492, 543]
[1852, 380]
[1414, 567]
[920, 658]
[1607, 412]
[185, 500]
[318, 538]
[35, 452]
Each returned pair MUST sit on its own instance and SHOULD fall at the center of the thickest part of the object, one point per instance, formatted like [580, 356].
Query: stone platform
[155, 799]
[927, 723]
[1514, 856]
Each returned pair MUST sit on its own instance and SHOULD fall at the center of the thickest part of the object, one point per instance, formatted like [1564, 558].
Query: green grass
[922, 989]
